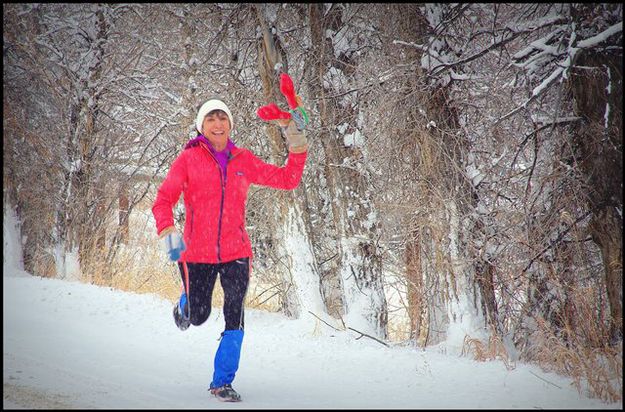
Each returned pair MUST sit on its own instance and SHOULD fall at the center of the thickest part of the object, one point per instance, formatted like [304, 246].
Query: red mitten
[296, 112]
[272, 112]
[288, 90]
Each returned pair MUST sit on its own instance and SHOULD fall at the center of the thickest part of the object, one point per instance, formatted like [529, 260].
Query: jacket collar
[201, 139]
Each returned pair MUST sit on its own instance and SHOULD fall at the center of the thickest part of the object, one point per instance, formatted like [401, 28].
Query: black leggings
[234, 277]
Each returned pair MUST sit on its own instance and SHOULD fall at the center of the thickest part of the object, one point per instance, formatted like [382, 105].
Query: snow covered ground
[73, 345]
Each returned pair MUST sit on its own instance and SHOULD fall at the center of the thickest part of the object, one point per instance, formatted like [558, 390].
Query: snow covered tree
[292, 254]
[539, 157]
[336, 36]
[88, 92]
[442, 285]
[597, 86]
[65, 57]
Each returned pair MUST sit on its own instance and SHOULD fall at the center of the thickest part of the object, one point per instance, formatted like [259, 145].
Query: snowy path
[71, 345]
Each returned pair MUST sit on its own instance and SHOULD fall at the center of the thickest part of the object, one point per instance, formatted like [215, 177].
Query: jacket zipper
[191, 225]
[222, 178]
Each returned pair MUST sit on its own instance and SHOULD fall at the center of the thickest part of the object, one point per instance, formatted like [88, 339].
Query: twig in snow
[545, 380]
[324, 321]
[369, 336]
[357, 331]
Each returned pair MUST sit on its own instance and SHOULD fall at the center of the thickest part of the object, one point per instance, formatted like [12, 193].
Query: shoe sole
[180, 321]
[226, 399]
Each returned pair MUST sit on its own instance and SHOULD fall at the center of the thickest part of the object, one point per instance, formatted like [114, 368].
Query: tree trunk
[458, 272]
[606, 230]
[597, 94]
[358, 262]
[89, 188]
[187, 127]
[415, 289]
[124, 206]
[485, 275]
[294, 259]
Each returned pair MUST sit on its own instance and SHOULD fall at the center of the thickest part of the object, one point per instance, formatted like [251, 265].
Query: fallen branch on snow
[350, 328]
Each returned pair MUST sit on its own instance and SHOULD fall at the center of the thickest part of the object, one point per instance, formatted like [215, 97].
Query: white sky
[73, 345]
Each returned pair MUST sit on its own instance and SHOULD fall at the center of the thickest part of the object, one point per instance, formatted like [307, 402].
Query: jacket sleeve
[169, 193]
[286, 177]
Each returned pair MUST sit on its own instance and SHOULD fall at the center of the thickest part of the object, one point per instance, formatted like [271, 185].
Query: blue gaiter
[227, 358]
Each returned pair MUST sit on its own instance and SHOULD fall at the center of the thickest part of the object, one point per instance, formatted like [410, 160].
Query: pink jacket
[214, 228]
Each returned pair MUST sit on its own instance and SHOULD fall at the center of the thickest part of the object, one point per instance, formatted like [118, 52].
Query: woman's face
[216, 128]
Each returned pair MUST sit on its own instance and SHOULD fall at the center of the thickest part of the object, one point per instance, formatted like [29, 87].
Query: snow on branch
[504, 39]
[601, 37]
[553, 56]
[442, 57]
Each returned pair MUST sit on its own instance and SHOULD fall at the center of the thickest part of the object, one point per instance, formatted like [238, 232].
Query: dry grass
[494, 349]
[141, 267]
[580, 348]
[151, 272]
[596, 370]
[398, 329]
[261, 294]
